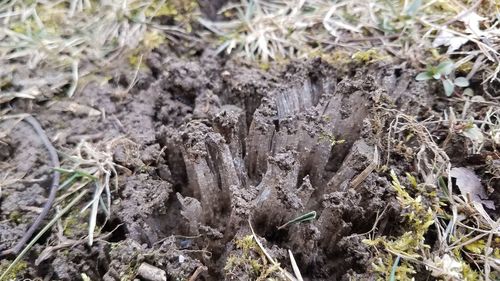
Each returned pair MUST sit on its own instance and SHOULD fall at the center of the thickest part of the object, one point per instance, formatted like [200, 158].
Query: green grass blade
[79, 173]
[393, 270]
[68, 182]
[305, 217]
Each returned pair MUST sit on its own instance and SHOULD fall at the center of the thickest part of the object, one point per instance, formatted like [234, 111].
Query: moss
[251, 260]
[419, 211]
[171, 8]
[256, 265]
[15, 272]
[404, 270]
[53, 17]
[496, 251]
[369, 56]
[268, 272]
[337, 58]
[5, 83]
[464, 68]
[130, 272]
[476, 247]
[246, 244]
[181, 11]
[153, 39]
[15, 217]
[329, 137]
[264, 66]
[165, 10]
[75, 224]
[468, 273]
[419, 217]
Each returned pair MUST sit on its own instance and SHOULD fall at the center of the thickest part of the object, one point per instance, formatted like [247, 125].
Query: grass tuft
[51, 47]
[417, 31]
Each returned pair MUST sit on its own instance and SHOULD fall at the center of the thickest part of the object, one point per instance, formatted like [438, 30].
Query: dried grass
[48, 47]
[468, 239]
[411, 30]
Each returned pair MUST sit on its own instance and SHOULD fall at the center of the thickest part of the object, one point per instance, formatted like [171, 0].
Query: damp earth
[209, 147]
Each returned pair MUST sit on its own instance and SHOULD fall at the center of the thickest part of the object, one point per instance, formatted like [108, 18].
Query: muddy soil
[211, 145]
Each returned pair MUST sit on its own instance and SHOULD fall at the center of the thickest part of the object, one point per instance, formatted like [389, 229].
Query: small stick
[54, 159]
[197, 272]
[464, 13]
[367, 171]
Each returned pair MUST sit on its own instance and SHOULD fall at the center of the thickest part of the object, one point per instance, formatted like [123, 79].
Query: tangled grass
[88, 167]
[410, 30]
[49, 47]
[466, 244]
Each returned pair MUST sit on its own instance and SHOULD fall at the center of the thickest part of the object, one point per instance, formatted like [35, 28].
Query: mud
[211, 145]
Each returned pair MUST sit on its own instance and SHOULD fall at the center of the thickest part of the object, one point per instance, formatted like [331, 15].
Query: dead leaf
[30, 93]
[75, 108]
[469, 183]
[471, 21]
[446, 38]
[475, 135]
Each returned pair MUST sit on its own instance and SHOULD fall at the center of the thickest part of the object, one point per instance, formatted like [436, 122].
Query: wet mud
[210, 146]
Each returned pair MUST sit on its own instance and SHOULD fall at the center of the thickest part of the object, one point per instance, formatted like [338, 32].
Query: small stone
[151, 273]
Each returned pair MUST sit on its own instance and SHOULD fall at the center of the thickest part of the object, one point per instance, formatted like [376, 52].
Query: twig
[295, 268]
[373, 38]
[48, 251]
[197, 272]
[54, 159]
[367, 171]
[464, 13]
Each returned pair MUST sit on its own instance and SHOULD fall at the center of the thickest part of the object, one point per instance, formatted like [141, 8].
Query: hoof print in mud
[302, 144]
[202, 156]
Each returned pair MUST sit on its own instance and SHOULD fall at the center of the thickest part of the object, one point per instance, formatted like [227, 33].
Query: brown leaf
[469, 183]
